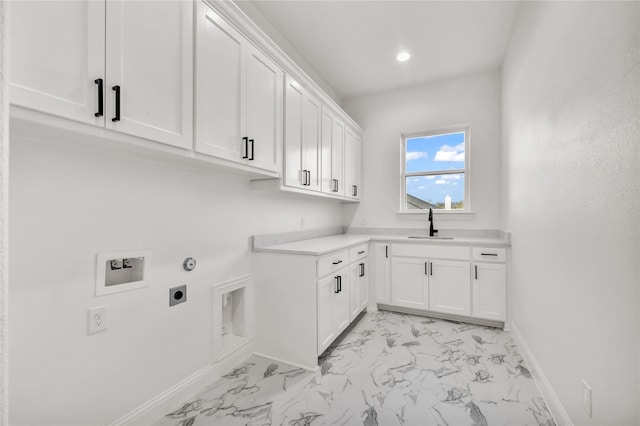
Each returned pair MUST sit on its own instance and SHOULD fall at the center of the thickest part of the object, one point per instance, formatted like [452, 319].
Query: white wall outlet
[98, 319]
[586, 398]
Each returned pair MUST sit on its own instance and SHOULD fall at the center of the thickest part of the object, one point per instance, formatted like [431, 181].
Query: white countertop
[325, 245]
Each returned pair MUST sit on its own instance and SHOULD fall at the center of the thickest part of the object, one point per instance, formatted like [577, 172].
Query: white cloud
[440, 182]
[450, 153]
[415, 155]
[421, 187]
[452, 177]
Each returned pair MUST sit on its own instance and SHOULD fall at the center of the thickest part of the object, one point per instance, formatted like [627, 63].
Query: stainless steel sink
[426, 237]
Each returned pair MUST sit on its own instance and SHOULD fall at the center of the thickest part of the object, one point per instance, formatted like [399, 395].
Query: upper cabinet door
[294, 175]
[332, 154]
[353, 164]
[219, 87]
[311, 141]
[264, 110]
[57, 54]
[150, 58]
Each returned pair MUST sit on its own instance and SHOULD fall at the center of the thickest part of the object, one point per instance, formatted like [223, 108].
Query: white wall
[571, 113]
[69, 204]
[472, 100]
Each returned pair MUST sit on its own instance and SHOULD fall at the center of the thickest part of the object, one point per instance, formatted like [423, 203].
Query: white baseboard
[281, 361]
[153, 410]
[544, 386]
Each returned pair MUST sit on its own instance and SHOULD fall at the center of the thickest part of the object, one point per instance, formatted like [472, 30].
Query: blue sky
[436, 153]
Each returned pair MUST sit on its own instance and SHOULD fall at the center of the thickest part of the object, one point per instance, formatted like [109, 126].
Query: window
[434, 172]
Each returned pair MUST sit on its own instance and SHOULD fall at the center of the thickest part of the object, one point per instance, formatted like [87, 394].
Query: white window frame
[403, 170]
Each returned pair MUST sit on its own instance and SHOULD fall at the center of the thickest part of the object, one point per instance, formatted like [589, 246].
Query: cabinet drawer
[490, 254]
[358, 252]
[431, 251]
[332, 262]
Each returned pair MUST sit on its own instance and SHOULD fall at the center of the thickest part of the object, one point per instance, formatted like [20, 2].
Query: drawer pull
[488, 254]
[361, 252]
[100, 84]
[338, 262]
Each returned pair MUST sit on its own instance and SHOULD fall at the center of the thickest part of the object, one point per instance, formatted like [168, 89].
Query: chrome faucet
[431, 230]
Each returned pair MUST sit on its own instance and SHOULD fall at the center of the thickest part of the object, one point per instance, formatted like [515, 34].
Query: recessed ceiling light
[403, 56]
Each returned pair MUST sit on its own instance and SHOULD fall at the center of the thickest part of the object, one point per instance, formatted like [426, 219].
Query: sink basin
[426, 237]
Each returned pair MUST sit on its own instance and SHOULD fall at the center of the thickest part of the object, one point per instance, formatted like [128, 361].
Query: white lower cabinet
[489, 287]
[449, 290]
[304, 301]
[333, 307]
[454, 280]
[410, 287]
[359, 286]
[382, 272]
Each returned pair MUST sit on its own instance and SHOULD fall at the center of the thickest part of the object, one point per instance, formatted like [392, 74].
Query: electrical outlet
[586, 398]
[98, 319]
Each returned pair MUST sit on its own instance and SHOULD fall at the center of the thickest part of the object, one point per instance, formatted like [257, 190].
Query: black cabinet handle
[426, 268]
[338, 262]
[246, 147]
[362, 269]
[304, 177]
[430, 268]
[488, 254]
[355, 191]
[386, 251]
[339, 283]
[335, 185]
[308, 177]
[337, 290]
[476, 267]
[117, 90]
[100, 84]
[361, 252]
[252, 149]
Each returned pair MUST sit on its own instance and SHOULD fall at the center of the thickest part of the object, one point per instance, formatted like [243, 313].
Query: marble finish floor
[390, 369]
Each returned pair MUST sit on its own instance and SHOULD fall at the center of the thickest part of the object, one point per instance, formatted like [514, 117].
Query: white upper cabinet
[264, 110]
[238, 96]
[332, 158]
[57, 54]
[149, 60]
[302, 137]
[219, 86]
[353, 164]
[123, 65]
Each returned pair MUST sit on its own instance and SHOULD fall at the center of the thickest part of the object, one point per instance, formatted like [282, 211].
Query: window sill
[461, 214]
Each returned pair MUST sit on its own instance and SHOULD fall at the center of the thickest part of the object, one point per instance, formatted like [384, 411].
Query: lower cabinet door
[363, 284]
[450, 287]
[341, 308]
[354, 285]
[490, 291]
[327, 288]
[409, 285]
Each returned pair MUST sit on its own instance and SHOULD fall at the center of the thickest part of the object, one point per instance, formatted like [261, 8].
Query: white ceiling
[352, 45]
